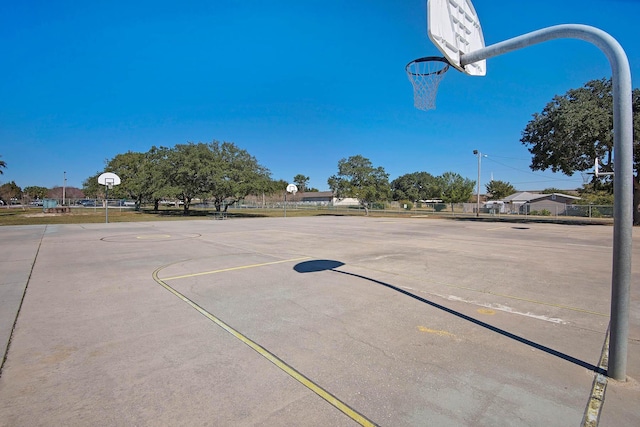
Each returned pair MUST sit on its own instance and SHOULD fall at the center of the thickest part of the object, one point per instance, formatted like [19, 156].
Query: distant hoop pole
[108, 179]
[623, 168]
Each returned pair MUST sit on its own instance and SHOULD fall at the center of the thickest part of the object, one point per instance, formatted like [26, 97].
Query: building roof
[566, 196]
[525, 196]
[521, 196]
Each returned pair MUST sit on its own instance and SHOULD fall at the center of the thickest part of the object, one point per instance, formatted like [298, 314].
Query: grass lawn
[80, 215]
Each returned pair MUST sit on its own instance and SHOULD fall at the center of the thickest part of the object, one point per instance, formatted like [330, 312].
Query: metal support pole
[106, 204]
[64, 187]
[479, 155]
[623, 169]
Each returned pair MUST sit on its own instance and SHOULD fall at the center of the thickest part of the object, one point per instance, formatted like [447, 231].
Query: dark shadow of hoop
[313, 266]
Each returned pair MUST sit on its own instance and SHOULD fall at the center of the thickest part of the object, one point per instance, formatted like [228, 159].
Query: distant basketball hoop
[586, 177]
[293, 189]
[108, 179]
[596, 168]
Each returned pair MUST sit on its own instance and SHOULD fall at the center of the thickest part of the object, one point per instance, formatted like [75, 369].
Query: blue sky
[298, 84]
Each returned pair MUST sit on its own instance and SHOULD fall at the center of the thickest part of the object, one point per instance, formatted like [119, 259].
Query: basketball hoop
[108, 179]
[425, 74]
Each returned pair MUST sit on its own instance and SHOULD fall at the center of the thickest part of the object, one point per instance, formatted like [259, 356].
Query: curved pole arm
[623, 168]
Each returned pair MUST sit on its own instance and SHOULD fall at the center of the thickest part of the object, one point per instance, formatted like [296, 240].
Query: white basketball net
[425, 74]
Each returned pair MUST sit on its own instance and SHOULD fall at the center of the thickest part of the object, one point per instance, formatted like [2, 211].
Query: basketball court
[334, 320]
[313, 321]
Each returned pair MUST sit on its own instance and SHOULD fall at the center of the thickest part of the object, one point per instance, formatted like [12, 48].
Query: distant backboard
[453, 26]
[292, 188]
[109, 178]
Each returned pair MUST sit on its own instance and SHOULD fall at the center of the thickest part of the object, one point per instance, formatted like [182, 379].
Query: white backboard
[453, 26]
[109, 178]
[292, 188]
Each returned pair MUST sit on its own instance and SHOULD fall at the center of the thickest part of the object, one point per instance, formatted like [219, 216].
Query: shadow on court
[315, 266]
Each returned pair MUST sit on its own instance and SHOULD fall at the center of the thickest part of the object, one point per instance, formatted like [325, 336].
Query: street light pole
[64, 186]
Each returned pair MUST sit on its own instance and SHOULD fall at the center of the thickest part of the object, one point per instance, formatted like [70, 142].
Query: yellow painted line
[591, 416]
[487, 311]
[338, 404]
[242, 267]
[565, 307]
[435, 331]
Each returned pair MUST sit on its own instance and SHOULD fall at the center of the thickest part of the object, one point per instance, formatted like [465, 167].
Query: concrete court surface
[323, 321]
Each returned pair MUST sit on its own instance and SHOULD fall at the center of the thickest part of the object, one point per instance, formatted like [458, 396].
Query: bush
[439, 207]
[543, 212]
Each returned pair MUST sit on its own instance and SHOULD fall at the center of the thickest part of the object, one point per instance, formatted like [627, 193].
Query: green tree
[158, 174]
[9, 191]
[415, 186]
[454, 188]
[234, 174]
[576, 128]
[3, 165]
[188, 168]
[91, 188]
[35, 192]
[301, 182]
[597, 197]
[221, 171]
[499, 189]
[134, 170]
[551, 190]
[278, 186]
[357, 177]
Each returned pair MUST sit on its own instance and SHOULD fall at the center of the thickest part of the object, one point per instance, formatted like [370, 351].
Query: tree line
[225, 174]
[566, 136]
[358, 178]
[216, 171]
